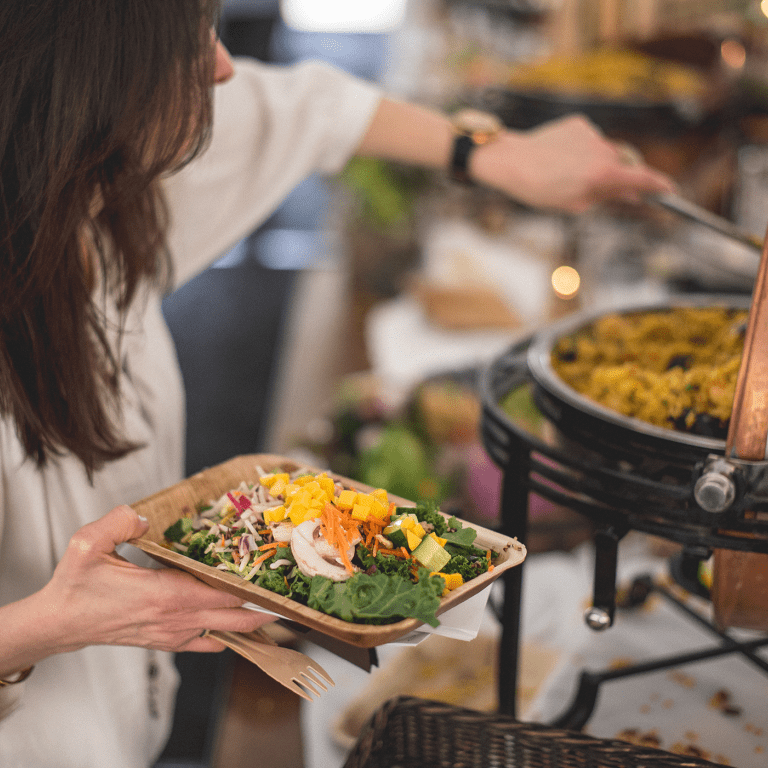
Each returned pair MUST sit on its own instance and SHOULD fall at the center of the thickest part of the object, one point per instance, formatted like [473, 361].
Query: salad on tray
[347, 553]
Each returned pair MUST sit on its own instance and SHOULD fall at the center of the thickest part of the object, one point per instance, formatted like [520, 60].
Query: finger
[106, 533]
[193, 594]
[232, 619]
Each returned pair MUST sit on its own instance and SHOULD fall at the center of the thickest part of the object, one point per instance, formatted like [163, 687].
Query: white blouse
[109, 705]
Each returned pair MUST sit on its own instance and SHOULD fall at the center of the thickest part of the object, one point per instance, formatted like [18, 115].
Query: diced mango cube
[364, 500]
[378, 509]
[418, 530]
[291, 489]
[327, 484]
[313, 488]
[380, 494]
[413, 539]
[274, 515]
[346, 499]
[278, 488]
[298, 513]
[271, 479]
[407, 524]
[452, 580]
[359, 512]
[439, 539]
[302, 497]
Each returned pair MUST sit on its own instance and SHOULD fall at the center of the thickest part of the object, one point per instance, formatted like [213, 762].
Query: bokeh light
[733, 53]
[566, 282]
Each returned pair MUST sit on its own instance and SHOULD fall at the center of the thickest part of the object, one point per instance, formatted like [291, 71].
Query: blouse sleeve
[273, 127]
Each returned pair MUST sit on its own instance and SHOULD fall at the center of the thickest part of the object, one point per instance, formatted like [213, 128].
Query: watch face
[482, 126]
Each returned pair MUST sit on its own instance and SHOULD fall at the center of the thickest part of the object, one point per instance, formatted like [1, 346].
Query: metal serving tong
[699, 215]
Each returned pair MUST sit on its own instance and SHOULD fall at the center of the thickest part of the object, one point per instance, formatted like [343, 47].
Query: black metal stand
[653, 496]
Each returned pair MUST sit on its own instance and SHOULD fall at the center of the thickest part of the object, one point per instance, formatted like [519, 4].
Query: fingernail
[143, 519]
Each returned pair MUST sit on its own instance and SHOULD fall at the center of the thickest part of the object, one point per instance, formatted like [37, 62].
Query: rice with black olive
[673, 368]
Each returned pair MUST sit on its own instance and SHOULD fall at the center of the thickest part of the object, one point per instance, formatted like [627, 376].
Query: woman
[119, 168]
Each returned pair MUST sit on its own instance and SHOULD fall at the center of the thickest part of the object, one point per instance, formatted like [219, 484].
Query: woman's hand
[566, 164]
[101, 598]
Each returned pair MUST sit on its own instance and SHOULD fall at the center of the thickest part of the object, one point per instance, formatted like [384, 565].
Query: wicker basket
[408, 732]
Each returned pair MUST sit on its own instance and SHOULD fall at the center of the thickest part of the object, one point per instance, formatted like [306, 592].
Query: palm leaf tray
[165, 507]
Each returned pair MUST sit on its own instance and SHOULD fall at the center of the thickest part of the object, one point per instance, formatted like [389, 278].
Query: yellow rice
[674, 368]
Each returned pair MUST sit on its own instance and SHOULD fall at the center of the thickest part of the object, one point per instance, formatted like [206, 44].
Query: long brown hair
[97, 99]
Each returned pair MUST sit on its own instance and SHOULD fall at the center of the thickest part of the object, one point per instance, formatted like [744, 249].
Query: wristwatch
[472, 128]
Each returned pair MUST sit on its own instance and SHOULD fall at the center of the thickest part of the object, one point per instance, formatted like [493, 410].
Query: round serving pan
[579, 416]
[526, 109]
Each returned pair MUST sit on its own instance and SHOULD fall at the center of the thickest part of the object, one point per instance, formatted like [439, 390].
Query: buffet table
[675, 710]
[713, 709]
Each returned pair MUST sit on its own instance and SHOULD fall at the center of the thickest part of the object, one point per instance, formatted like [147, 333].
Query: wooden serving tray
[164, 508]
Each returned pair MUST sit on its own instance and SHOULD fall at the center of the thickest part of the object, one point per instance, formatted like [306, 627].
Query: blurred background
[376, 297]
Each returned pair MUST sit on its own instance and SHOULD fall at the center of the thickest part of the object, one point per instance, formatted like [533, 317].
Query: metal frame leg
[514, 517]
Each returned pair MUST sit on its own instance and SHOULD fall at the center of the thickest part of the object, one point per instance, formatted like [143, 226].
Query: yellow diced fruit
[270, 480]
[274, 515]
[302, 497]
[381, 495]
[413, 539]
[364, 500]
[439, 539]
[313, 488]
[303, 479]
[327, 484]
[278, 488]
[453, 580]
[378, 509]
[291, 490]
[299, 514]
[346, 499]
[360, 512]
[419, 530]
[407, 524]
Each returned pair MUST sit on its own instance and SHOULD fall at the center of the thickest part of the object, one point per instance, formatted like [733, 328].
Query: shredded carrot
[262, 558]
[399, 552]
[271, 545]
[343, 547]
[336, 526]
[375, 547]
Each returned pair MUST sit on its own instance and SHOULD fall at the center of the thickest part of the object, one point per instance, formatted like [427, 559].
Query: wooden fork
[290, 668]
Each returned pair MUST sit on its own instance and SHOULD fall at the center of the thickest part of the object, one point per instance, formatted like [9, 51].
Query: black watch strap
[463, 145]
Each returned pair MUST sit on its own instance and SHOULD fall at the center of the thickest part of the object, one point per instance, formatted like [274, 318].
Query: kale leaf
[378, 598]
